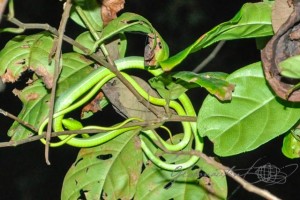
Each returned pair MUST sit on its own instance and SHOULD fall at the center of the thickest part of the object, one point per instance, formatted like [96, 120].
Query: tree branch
[228, 171]
[57, 49]
[144, 124]
[210, 57]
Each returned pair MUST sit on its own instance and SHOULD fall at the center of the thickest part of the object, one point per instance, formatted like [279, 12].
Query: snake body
[84, 90]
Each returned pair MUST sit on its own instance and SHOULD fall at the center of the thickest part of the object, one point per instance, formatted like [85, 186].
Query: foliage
[131, 160]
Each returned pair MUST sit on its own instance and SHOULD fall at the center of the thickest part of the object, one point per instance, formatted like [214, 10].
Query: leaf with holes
[202, 181]
[252, 21]
[35, 97]
[27, 53]
[107, 171]
[253, 117]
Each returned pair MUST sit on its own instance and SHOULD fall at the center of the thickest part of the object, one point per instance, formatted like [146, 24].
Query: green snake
[84, 90]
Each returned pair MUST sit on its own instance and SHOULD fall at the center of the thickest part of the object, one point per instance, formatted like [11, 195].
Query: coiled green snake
[90, 85]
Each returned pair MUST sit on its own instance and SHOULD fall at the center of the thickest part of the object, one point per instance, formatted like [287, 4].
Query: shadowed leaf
[213, 82]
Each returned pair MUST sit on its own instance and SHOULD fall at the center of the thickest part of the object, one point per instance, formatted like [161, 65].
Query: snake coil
[91, 84]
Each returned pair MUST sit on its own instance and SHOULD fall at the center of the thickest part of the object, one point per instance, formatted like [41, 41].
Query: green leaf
[119, 43]
[107, 171]
[167, 88]
[253, 117]
[192, 183]
[290, 67]
[35, 97]
[92, 11]
[213, 82]
[253, 20]
[131, 22]
[291, 145]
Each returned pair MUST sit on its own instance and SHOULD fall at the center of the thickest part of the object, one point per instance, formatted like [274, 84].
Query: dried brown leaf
[125, 103]
[282, 9]
[45, 75]
[110, 8]
[282, 46]
[151, 49]
[93, 106]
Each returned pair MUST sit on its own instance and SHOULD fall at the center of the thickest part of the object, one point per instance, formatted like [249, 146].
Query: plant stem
[57, 49]
[229, 172]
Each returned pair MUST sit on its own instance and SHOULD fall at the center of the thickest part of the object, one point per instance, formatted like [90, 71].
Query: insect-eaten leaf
[111, 170]
[35, 96]
[213, 82]
[27, 53]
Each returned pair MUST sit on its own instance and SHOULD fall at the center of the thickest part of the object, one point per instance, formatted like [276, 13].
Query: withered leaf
[281, 10]
[110, 8]
[125, 103]
[284, 44]
[93, 106]
[151, 49]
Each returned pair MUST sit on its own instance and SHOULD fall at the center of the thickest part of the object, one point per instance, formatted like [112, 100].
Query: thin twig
[245, 184]
[144, 124]
[57, 48]
[11, 116]
[210, 57]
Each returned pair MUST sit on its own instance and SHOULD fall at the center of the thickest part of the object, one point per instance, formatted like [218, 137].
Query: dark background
[23, 172]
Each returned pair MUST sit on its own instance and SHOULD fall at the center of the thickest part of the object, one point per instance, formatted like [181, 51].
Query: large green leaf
[35, 97]
[253, 20]
[253, 117]
[107, 171]
[202, 181]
